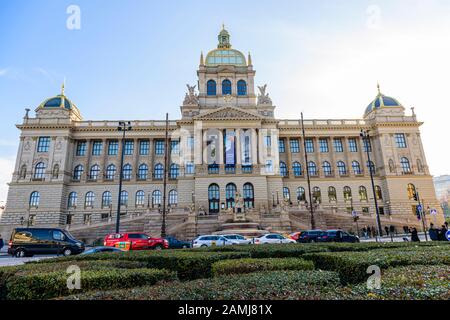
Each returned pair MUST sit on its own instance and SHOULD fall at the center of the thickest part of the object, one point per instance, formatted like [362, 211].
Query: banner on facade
[230, 146]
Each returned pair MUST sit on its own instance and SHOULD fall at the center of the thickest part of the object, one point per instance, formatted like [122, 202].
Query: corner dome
[224, 54]
[382, 101]
[59, 101]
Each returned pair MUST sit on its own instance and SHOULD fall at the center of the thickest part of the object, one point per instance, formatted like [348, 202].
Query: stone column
[221, 147]
[254, 146]
[238, 147]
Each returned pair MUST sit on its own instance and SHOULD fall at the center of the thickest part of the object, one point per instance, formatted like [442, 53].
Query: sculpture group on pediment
[191, 97]
[263, 96]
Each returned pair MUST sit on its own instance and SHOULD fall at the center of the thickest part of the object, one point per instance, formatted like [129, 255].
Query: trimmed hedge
[249, 265]
[277, 285]
[352, 266]
[406, 283]
[54, 284]
[188, 265]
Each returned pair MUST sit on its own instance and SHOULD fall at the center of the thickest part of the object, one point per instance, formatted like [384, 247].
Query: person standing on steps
[414, 235]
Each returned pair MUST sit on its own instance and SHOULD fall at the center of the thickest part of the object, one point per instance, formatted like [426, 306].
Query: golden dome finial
[223, 25]
[63, 86]
[378, 87]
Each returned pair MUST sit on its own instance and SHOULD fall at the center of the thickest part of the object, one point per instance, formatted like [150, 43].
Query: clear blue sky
[132, 59]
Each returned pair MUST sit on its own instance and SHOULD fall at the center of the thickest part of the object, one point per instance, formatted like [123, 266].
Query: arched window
[140, 198]
[55, 173]
[297, 168]
[39, 171]
[371, 166]
[106, 199]
[249, 196]
[226, 87]
[35, 199]
[411, 191]
[211, 89]
[362, 193]
[78, 172]
[89, 200]
[378, 193]
[110, 172]
[143, 172]
[23, 172]
[312, 168]
[174, 171]
[156, 198]
[94, 173]
[127, 172]
[391, 166]
[214, 198]
[242, 88]
[286, 194]
[406, 167]
[158, 173]
[332, 196]
[356, 167]
[317, 195]
[283, 169]
[230, 194]
[419, 166]
[73, 199]
[326, 166]
[173, 198]
[341, 168]
[347, 193]
[301, 196]
[124, 198]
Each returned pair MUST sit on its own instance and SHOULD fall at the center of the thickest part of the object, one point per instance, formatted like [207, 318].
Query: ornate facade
[228, 153]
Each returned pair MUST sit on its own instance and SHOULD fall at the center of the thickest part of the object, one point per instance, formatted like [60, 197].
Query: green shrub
[249, 265]
[54, 284]
[406, 283]
[352, 266]
[277, 285]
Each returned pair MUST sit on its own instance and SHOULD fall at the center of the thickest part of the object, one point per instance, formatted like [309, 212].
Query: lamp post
[166, 160]
[366, 141]
[273, 199]
[313, 221]
[123, 127]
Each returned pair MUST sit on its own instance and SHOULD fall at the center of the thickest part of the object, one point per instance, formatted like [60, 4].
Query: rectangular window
[309, 145]
[81, 148]
[43, 144]
[338, 147]
[323, 143]
[190, 142]
[190, 168]
[269, 166]
[268, 141]
[175, 146]
[352, 145]
[129, 148]
[367, 146]
[400, 140]
[295, 146]
[144, 148]
[159, 147]
[113, 148]
[281, 146]
[97, 148]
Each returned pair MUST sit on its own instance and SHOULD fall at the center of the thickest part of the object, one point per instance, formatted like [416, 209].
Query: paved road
[6, 260]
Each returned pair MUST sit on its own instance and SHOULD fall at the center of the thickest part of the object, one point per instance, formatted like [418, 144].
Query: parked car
[26, 242]
[212, 240]
[238, 238]
[337, 236]
[295, 235]
[178, 244]
[102, 250]
[135, 241]
[310, 236]
[272, 238]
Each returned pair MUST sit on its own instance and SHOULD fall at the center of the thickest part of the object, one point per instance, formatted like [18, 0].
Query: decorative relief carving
[229, 113]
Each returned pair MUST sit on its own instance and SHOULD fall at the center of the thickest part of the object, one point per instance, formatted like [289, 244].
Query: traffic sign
[433, 212]
[419, 208]
[447, 235]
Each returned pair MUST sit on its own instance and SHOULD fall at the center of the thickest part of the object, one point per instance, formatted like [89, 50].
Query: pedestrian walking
[369, 232]
[386, 228]
[442, 233]
[433, 232]
[414, 235]
[1, 242]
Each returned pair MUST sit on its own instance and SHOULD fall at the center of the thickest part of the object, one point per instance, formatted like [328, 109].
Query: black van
[26, 242]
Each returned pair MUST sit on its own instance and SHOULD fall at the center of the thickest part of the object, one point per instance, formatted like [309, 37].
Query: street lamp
[123, 127]
[366, 141]
[273, 199]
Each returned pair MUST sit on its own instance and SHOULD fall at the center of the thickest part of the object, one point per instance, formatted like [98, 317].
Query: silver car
[212, 240]
[272, 238]
[238, 238]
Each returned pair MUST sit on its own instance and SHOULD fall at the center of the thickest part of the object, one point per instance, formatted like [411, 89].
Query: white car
[209, 241]
[238, 238]
[272, 238]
